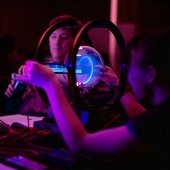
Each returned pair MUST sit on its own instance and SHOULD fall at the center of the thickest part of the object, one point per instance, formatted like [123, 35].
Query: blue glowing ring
[92, 68]
[87, 58]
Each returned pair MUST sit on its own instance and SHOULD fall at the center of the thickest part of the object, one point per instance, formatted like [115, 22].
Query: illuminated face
[60, 42]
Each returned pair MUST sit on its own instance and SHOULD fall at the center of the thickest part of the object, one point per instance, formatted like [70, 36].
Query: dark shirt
[153, 129]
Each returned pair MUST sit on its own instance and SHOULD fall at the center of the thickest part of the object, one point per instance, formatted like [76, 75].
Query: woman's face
[60, 42]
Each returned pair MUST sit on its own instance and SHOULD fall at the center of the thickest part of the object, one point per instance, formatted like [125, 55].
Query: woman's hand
[11, 87]
[107, 75]
[35, 73]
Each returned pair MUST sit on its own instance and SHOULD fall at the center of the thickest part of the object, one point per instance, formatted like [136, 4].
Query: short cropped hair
[67, 21]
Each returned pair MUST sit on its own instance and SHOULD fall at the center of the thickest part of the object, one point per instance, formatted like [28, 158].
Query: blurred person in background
[59, 46]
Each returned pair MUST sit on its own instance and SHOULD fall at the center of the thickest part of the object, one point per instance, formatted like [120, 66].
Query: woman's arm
[106, 142]
[115, 141]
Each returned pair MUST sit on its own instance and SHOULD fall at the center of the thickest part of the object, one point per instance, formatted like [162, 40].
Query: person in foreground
[145, 137]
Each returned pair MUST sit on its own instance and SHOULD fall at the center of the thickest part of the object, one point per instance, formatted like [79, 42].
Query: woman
[145, 137]
[60, 42]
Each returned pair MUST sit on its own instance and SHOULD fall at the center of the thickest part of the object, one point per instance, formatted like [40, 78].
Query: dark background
[27, 19]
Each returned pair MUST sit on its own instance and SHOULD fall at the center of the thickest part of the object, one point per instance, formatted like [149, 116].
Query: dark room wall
[147, 14]
[26, 20]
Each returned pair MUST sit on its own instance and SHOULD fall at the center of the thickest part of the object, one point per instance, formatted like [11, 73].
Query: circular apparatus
[83, 79]
[83, 60]
[73, 79]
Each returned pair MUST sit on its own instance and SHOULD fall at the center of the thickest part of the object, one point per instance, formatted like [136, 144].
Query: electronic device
[61, 68]
[87, 60]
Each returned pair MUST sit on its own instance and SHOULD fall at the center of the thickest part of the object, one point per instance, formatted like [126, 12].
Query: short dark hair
[67, 21]
[154, 48]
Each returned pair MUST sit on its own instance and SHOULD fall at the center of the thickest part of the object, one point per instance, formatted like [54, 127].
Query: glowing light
[87, 59]
[89, 69]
